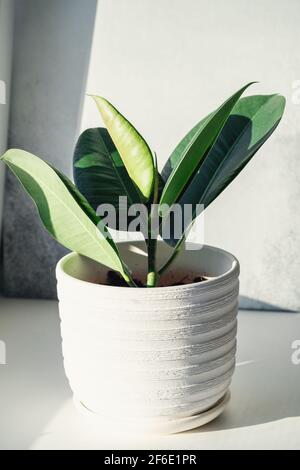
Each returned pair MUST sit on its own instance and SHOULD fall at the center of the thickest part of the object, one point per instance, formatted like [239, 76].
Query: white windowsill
[36, 410]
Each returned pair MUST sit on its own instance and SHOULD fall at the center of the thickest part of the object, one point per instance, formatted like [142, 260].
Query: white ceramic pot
[158, 360]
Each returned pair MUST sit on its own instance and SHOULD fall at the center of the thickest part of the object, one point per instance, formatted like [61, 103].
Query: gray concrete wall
[168, 63]
[51, 56]
[6, 43]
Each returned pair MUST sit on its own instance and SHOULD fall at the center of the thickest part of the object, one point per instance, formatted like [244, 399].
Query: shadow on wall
[247, 303]
[52, 43]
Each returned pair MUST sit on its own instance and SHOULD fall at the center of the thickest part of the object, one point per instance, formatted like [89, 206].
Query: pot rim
[233, 272]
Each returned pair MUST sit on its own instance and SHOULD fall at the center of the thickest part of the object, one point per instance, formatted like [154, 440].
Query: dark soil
[115, 279]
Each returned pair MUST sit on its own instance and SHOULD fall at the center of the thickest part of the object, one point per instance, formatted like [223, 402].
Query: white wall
[6, 42]
[167, 63]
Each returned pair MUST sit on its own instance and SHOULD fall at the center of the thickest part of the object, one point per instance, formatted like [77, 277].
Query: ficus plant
[116, 162]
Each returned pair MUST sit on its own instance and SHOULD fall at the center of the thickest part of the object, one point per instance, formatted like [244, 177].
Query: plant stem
[175, 253]
[152, 277]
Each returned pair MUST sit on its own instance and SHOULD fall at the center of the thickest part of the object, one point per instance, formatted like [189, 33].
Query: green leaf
[99, 172]
[79, 198]
[193, 148]
[181, 148]
[64, 212]
[252, 121]
[133, 149]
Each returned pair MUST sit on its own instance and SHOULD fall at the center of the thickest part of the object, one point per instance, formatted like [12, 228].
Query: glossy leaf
[79, 198]
[253, 121]
[181, 148]
[193, 148]
[99, 171]
[100, 174]
[250, 124]
[133, 149]
[64, 212]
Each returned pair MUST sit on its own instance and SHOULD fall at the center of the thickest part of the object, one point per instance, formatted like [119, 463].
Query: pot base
[155, 426]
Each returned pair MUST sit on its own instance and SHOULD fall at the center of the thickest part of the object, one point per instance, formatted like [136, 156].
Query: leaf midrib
[195, 137]
[116, 171]
[38, 179]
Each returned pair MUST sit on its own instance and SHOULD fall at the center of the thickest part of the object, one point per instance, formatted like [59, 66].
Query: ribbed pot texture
[149, 358]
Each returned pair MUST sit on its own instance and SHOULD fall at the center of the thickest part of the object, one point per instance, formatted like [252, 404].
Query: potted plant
[148, 328]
